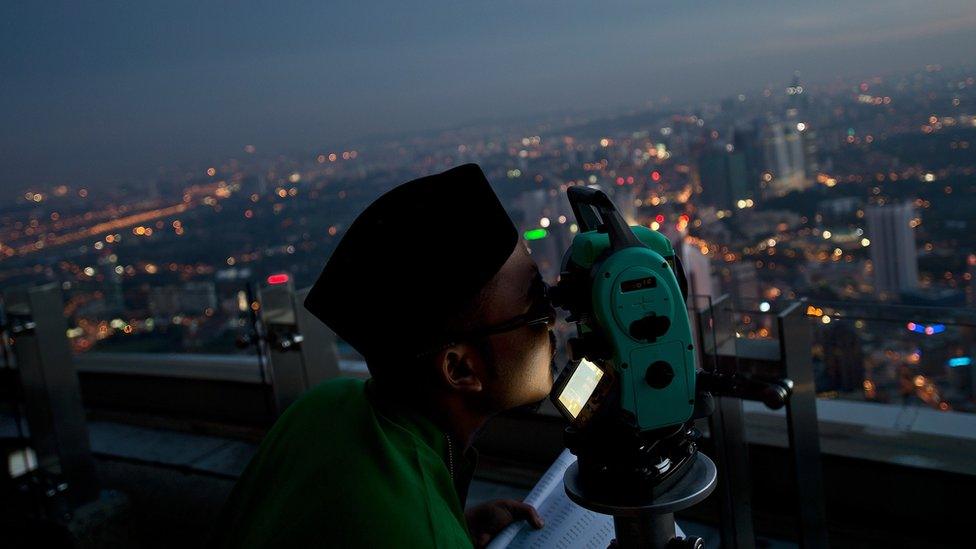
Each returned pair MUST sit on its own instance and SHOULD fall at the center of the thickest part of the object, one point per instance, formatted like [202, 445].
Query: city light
[930, 329]
[764, 306]
[960, 361]
[280, 278]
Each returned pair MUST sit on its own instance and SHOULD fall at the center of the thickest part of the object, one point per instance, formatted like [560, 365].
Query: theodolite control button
[659, 374]
[650, 327]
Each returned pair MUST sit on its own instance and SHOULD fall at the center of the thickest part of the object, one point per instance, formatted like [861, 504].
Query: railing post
[801, 419]
[319, 350]
[301, 350]
[51, 394]
[727, 428]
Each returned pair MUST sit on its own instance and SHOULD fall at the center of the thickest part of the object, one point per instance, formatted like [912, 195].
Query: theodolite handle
[774, 394]
[599, 213]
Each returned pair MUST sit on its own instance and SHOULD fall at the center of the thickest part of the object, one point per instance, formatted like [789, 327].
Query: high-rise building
[745, 141]
[790, 145]
[893, 252]
[783, 149]
[724, 178]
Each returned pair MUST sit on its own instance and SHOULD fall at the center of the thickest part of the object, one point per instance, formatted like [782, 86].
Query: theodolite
[632, 387]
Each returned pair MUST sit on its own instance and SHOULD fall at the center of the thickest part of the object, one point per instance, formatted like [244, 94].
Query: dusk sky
[99, 91]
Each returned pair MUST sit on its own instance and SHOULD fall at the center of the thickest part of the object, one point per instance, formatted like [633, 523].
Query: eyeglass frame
[532, 317]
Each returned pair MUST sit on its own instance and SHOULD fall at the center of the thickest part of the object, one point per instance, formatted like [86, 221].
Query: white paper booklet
[567, 525]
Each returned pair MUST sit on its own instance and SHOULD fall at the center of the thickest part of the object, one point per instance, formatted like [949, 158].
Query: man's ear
[461, 368]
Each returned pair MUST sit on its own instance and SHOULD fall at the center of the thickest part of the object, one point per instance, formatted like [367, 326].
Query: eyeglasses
[540, 314]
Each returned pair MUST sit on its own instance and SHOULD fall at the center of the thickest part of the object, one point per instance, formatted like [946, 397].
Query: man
[433, 286]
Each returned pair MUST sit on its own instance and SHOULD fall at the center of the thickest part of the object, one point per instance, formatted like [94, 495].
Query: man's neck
[456, 419]
[450, 413]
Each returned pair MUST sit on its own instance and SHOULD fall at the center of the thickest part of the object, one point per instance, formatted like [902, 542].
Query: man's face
[522, 372]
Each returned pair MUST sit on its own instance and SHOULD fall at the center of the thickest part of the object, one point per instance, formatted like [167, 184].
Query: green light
[535, 234]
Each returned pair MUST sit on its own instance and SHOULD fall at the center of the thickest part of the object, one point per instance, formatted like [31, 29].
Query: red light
[655, 175]
[911, 326]
[659, 218]
[929, 330]
[630, 180]
[276, 279]
[684, 217]
[620, 181]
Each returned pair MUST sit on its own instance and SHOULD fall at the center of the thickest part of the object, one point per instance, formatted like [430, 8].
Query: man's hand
[486, 520]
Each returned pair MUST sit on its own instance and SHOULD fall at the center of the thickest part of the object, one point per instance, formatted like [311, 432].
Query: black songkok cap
[411, 260]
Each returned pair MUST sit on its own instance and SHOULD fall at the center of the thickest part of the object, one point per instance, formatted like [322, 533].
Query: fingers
[524, 511]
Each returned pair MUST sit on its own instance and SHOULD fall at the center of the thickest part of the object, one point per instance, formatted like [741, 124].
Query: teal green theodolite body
[630, 285]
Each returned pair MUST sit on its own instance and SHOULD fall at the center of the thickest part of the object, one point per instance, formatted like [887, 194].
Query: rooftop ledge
[903, 435]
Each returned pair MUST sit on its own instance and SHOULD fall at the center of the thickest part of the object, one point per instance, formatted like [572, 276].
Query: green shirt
[340, 469]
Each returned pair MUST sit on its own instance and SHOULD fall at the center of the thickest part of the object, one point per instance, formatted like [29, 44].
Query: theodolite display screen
[580, 387]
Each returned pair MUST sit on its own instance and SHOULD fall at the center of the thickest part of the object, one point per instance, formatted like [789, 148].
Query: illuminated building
[790, 145]
[785, 156]
[893, 252]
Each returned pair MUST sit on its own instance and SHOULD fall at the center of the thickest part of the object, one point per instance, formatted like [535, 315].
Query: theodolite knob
[659, 374]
